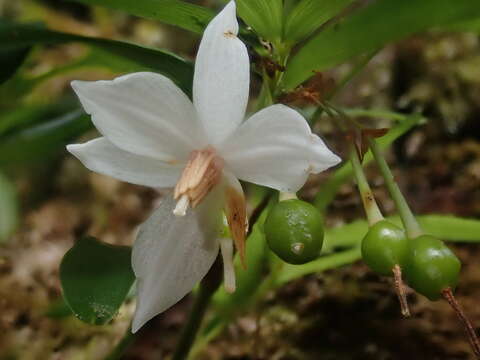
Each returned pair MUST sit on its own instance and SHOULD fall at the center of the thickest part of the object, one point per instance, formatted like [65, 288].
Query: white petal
[143, 113]
[101, 156]
[276, 148]
[222, 76]
[229, 279]
[172, 253]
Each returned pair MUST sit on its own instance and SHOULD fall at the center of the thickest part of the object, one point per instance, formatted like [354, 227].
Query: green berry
[384, 246]
[294, 231]
[431, 267]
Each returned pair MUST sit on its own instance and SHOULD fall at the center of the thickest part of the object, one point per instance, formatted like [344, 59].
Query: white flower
[154, 136]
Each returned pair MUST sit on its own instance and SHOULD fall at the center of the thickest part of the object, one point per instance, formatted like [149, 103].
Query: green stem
[409, 222]
[282, 196]
[344, 81]
[370, 205]
[122, 346]
[207, 288]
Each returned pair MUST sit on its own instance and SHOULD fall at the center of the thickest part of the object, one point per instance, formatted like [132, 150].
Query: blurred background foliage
[371, 50]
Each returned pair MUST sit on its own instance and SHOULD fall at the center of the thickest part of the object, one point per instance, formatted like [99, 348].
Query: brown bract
[236, 211]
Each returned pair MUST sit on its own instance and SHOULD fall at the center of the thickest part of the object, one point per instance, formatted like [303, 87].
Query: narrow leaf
[183, 14]
[39, 140]
[11, 60]
[177, 69]
[96, 278]
[309, 15]
[8, 208]
[264, 16]
[445, 227]
[372, 27]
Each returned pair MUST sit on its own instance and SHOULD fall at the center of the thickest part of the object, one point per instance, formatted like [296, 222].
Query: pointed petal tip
[228, 16]
[73, 148]
[335, 159]
[78, 85]
[137, 322]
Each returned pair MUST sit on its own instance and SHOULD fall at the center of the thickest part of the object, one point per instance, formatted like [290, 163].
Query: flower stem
[370, 205]
[122, 346]
[207, 288]
[282, 196]
[408, 219]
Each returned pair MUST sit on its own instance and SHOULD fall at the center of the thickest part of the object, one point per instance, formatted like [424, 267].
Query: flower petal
[236, 213]
[172, 253]
[222, 76]
[276, 148]
[101, 156]
[143, 113]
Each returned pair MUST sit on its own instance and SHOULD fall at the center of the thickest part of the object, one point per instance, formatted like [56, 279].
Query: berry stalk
[369, 203]
[472, 336]
[409, 222]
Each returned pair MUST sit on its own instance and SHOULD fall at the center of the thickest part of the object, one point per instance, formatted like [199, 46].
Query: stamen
[202, 172]
[182, 206]
[226, 248]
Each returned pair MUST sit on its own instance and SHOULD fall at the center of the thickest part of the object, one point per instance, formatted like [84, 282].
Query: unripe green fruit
[384, 246]
[294, 231]
[431, 267]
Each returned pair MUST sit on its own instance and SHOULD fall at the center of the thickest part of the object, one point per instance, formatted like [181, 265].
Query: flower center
[202, 172]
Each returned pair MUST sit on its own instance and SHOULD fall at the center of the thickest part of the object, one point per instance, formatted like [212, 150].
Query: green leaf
[309, 15]
[23, 116]
[174, 12]
[11, 60]
[451, 228]
[330, 188]
[291, 272]
[96, 278]
[8, 208]
[177, 69]
[470, 26]
[264, 16]
[29, 144]
[372, 27]
[444, 227]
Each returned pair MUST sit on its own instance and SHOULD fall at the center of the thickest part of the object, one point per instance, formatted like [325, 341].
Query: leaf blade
[446, 227]
[372, 27]
[309, 15]
[264, 16]
[177, 69]
[185, 15]
[30, 143]
[96, 278]
[9, 209]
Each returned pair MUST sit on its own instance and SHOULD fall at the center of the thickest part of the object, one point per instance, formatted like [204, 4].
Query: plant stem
[370, 205]
[400, 290]
[207, 288]
[341, 84]
[408, 219]
[122, 346]
[469, 329]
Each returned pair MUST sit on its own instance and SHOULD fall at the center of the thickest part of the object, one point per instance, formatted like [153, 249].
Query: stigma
[202, 172]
